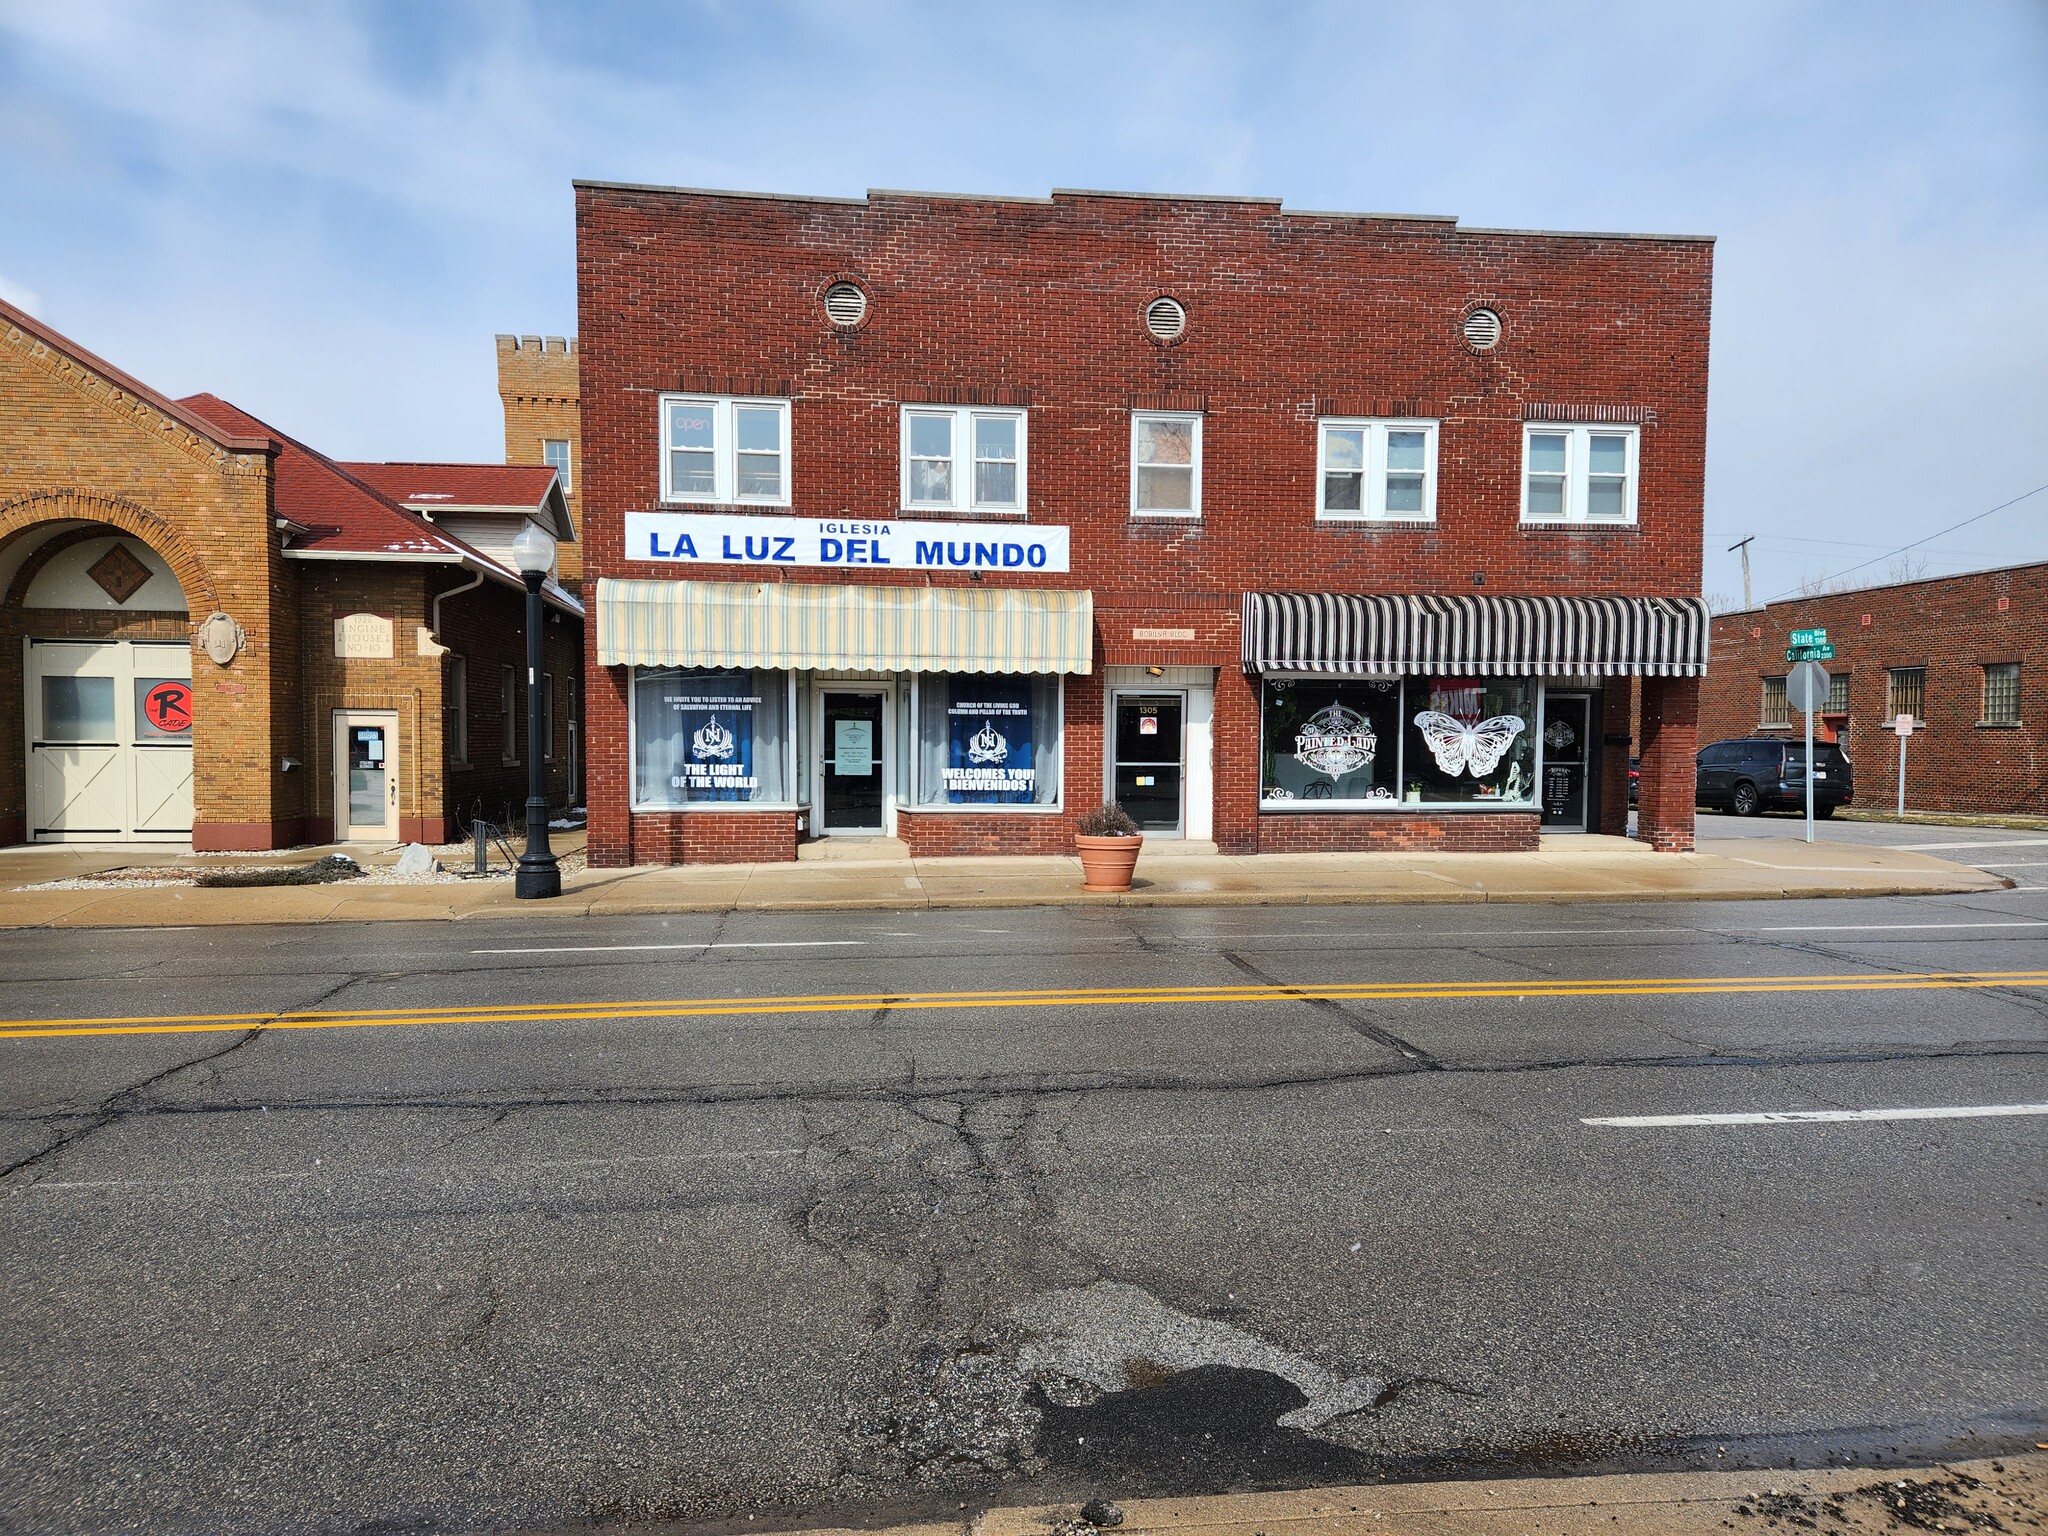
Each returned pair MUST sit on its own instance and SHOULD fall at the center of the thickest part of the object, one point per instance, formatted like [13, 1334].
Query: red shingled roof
[342, 515]
[512, 486]
[338, 511]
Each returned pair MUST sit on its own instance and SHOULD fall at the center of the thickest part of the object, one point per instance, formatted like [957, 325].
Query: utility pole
[1744, 547]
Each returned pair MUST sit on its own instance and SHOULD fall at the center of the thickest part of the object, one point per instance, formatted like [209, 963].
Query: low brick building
[1965, 656]
[950, 517]
[212, 632]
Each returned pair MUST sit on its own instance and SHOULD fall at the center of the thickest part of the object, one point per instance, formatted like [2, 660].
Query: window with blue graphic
[989, 741]
[702, 736]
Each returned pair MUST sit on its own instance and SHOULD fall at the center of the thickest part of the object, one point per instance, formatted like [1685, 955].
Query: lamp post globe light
[538, 875]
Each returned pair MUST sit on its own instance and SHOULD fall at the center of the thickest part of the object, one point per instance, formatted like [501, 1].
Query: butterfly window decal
[1457, 746]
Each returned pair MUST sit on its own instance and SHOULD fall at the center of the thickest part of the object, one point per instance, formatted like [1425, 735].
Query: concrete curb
[2013, 1489]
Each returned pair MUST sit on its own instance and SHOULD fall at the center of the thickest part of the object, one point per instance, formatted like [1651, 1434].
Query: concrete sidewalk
[2009, 1494]
[1578, 868]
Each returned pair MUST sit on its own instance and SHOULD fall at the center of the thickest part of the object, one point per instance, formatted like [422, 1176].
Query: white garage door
[109, 741]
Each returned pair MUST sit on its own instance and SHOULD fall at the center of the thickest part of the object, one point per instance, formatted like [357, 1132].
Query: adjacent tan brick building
[543, 417]
[210, 631]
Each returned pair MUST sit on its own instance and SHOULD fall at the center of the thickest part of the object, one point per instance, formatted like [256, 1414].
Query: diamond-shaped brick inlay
[119, 573]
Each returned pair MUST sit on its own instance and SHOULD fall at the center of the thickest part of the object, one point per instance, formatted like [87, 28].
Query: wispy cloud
[325, 209]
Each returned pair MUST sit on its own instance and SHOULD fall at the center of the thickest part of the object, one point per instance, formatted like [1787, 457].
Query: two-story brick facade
[950, 517]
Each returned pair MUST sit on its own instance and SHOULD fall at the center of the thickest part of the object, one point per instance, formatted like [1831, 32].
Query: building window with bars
[2001, 693]
[1838, 695]
[1775, 710]
[1905, 693]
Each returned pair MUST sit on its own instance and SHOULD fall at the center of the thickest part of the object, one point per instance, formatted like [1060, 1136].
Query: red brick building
[1965, 656]
[211, 632]
[950, 517]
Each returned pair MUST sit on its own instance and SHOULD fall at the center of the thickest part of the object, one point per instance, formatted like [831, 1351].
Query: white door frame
[886, 748]
[1132, 691]
[123, 662]
[343, 720]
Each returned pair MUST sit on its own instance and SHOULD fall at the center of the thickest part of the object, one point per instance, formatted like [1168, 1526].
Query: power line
[1944, 533]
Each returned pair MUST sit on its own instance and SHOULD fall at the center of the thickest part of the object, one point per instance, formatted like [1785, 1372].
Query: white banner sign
[704, 538]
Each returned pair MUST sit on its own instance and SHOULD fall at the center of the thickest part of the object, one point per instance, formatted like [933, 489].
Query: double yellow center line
[1082, 997]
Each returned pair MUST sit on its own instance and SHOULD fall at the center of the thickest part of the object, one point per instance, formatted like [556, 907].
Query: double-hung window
[1578, 474]
[1376, 469]
[508, 716]
[455, 710]
[719, 448]
[554, 452]
[1166, 464]
[962, 459]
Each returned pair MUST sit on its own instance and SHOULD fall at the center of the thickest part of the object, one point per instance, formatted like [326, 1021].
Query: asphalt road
[551, 1221]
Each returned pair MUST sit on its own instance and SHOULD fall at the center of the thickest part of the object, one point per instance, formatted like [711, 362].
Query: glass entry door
[1147, 767]
[1567, 760]
[850, 743]
[365, 776]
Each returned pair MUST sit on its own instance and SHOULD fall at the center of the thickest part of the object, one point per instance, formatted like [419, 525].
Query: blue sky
[325, 211]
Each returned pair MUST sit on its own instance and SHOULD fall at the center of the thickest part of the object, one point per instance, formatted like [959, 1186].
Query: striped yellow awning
[813, 626]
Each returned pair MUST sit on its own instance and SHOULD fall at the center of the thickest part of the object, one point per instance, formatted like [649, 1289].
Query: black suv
[1767, 773]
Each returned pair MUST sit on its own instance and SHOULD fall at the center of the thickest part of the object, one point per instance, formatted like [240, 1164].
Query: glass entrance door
[365, 776]
[1567, 760]
[850, 763]
[1147, 769]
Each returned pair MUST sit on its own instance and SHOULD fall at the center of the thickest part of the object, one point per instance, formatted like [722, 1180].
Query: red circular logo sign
[169, 706]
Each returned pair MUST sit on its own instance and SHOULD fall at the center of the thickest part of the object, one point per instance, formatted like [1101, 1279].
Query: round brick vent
[1165, 319]
[845, 304]
[1482, 330]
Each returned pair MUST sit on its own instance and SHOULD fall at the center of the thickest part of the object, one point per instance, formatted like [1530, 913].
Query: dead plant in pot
[1108, 842]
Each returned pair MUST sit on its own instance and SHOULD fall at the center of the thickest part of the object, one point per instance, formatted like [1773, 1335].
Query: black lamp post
[533, 551]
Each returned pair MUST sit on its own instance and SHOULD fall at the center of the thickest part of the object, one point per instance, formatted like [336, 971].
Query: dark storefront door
[1568, 755]
[851, 756]
[1147, 768]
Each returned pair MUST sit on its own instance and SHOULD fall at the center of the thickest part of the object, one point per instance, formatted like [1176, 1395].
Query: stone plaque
[1162, 634]
[363, 637]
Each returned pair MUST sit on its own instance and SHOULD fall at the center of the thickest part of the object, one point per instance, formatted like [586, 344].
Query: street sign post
[1904, 726]
[1806, 689]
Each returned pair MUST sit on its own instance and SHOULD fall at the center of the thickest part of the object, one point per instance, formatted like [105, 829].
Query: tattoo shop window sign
[699, 538]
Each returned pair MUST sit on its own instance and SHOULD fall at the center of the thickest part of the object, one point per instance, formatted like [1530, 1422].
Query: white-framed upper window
[1376, 470]
[554, 452]
[1166, 464]
[724, 448]
[963, 459]
[1578, 474]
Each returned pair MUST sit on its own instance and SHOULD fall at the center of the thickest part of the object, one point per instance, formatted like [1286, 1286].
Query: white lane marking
[1816, 1116]
[597, 949]
[1895, 927]
[2011, 863]
[1989, 842]
[1394, 940]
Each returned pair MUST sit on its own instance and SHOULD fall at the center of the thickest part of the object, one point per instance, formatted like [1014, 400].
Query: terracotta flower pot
[1107, 862]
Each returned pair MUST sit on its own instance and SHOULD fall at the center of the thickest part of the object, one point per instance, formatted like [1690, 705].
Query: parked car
[1635, 780]
[1768, 773]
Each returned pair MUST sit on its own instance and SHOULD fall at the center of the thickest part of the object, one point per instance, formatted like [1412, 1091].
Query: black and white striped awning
[1483, 636]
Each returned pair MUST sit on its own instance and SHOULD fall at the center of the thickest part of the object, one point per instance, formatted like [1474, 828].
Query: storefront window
[1388, 741]
[1330, 738]
[988, 740]
[704, 736]
[1470, 741]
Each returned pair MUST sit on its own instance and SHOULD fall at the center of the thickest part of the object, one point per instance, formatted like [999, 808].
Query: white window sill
[1185, 517]
[1579, 522]
[980, 810]
[1387, 807]
[724, 807]
[1409, 519]
[712, 504]
[1007, 513]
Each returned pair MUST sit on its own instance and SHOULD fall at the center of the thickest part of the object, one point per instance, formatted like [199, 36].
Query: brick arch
[25, 512]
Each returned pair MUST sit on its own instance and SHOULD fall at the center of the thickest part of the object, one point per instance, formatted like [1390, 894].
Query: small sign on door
[1148, 725]
[853, 748]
